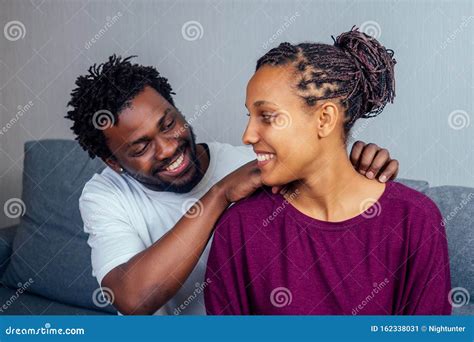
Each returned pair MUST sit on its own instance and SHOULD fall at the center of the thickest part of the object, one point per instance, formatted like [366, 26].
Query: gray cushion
[418, 185]
[465, 310]
[15, 303]
[50, 246]
[7, 236]
[457, 206]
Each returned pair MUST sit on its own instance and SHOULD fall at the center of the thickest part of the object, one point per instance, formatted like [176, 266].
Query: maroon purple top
[268, 258]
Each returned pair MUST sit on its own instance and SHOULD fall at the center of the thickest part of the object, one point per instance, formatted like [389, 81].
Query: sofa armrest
[6, 245]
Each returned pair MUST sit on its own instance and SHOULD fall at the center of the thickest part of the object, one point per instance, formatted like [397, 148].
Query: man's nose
[166, 148]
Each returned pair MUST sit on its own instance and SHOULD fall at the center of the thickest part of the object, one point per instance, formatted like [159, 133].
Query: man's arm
[148, 280]
[152, 277]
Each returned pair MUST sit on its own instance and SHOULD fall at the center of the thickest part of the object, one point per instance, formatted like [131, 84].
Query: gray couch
[45, 260]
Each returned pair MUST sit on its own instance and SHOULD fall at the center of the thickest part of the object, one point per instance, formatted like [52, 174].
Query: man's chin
[180, 186]
[184, 183]
[168, 187]
[181, 189]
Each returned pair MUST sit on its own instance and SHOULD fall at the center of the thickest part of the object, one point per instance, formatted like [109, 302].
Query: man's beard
[157, 184]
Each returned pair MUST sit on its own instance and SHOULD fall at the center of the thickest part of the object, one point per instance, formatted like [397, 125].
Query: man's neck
[204, 157]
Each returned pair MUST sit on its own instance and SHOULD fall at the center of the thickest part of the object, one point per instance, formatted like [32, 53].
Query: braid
[375, 69]
[356, 68]
[281, 55]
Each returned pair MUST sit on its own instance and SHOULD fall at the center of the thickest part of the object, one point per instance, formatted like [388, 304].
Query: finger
[256, 177]
[356, 151]
[381, 159]
[390, 171]
[368, 155]
[276, 189]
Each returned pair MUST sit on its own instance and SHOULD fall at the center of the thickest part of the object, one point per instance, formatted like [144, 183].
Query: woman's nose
[250, 136]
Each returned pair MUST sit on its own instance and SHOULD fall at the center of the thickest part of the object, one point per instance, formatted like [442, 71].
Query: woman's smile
[264, 158]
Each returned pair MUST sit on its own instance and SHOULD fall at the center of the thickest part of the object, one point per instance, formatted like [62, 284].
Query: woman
[335, 242]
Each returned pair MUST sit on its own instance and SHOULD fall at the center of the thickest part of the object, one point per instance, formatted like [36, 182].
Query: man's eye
[140, 152]
[169, 125]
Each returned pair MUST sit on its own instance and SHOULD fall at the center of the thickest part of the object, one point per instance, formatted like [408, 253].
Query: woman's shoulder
[260, 202]
[408, 198]
[425, 225]
[253, 208]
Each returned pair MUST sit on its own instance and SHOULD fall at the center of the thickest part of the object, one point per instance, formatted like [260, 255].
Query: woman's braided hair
[356, 68]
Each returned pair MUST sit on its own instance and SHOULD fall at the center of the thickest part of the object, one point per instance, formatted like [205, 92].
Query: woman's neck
[334, 191]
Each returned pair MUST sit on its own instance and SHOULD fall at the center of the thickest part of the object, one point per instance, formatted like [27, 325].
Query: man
[151, 212]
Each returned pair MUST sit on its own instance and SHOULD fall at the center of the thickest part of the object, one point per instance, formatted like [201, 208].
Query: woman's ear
[328, 117]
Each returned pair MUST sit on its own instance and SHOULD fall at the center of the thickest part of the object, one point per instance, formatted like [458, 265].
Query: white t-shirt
[123, 217]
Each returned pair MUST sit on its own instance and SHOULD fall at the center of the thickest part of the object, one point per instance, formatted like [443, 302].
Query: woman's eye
[268, 117]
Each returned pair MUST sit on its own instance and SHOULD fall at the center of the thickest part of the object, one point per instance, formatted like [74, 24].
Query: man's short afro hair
[108, 88]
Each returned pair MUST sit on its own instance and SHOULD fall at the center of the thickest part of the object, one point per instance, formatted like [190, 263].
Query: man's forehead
[148, 100]
[139, 117]
[134, 124]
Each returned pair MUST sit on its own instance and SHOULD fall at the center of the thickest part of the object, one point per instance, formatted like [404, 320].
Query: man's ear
[113, 163]
[328, 117]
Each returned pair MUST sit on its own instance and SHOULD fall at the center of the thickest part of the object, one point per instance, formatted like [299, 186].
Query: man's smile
[180, 164]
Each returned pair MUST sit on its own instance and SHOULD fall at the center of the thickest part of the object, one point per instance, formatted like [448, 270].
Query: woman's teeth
[176, 163]
[265, 156]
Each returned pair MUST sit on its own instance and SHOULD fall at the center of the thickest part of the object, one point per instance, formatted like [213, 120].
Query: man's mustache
[162, 166]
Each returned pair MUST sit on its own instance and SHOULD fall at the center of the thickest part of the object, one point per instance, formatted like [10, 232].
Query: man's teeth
[265, 156]
[176, 164]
